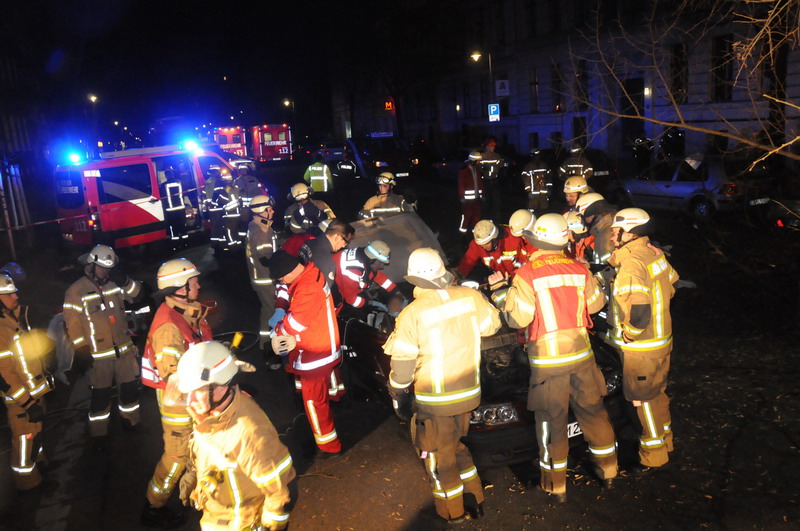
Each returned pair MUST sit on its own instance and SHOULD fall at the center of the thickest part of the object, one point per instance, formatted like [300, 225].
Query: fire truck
[271, 142]
[232, 139]
[133, 197]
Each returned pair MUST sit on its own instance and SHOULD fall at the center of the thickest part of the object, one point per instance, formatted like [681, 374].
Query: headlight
[493, 415]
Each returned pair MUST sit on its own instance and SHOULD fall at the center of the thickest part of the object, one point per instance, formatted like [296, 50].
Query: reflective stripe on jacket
[507, 256]
[384, 205]
[319, 177]
[354, 277]
[470, 183]
[22, 373]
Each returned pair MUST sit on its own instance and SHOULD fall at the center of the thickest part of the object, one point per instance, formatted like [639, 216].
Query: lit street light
[290, 103]
[92, 145]
[476, 56]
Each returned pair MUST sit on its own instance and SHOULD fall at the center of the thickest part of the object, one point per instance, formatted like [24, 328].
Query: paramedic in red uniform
[499, 251]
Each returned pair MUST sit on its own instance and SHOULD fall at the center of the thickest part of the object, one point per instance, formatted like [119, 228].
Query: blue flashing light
[191, 145]
[74, 158]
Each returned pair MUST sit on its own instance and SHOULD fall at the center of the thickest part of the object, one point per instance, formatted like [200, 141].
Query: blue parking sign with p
[494, 112]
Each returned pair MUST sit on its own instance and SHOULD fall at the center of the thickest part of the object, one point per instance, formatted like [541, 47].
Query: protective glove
[401, 402]
[277, 317]
[282, 345]
[187, 485]
[118, 277]
[35, 412]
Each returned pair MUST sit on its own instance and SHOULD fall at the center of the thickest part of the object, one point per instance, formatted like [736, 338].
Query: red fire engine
[271, 142]
[232, 139]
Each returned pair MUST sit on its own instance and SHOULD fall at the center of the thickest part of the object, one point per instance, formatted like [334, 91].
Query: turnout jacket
[95, 316]
[242, 467]
[551, 297]
[23, 377]
[384, 205]
[354, 276]
[641, 294]
[302, 217]
[311, 319]
[535, 178]
[261, 243]
[436, 345]
[507, 256]
[601, 230]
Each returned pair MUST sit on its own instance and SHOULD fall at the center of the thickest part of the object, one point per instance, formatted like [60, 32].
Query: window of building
[580, 12]
[556, 89]
[465, 103]
[579, 131]
[554, 15]
[582, 85]
[533, 140]
[556, 139]
[124, 183]
[721, 68]
[679, 72]
[530, 17]
[498, 9]
[533, 89]
[484, 97]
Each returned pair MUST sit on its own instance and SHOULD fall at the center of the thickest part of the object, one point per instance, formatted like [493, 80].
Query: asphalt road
[733, 385]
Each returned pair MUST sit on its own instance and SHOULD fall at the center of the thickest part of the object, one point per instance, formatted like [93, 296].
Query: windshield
[69, 190]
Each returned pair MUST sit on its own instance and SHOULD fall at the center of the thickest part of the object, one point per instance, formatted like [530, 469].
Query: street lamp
[93, 99]
[476, 56]
[290, 103]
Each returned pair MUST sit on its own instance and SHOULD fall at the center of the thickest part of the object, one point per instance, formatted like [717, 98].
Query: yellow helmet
[521, 220]
[549, 232]
[300, 191]
[475, 156]
[385, 178]
[260, 203]
[576, 185]
[176, 273]
[575, 222]
[484, 232]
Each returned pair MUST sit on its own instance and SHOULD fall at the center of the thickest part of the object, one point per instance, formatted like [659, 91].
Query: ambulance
[232, 139]
[271, 142]
[127, 198]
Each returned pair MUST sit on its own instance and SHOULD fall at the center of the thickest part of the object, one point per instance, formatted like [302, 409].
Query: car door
[649, 188]
[689, 183]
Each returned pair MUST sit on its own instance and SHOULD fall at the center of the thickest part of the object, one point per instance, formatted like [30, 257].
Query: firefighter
[576, 165]
[598, 215]
[642, 151]
[491, 165]
[385, 202]
[213, 190]
[641, 294]
[174, 207]
[249, 187]
[520, 221]
[551, 297]
[470, 192]
[358, 268]
[318, 175]
[231, 214]
[536, 180]
[239, 468]
[94, 314]
[305, 213]
[434, 348]
[309, 335]
[179, 322]
[261, 243]
[23, 384]
[574, 187]
[321, 250]
[581, 243]
[499, 251]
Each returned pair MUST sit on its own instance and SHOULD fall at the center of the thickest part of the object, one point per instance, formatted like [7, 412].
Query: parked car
[332, 151]
[380, 152]
[699, 185]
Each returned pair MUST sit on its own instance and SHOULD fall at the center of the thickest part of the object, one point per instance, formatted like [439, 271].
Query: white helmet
[484, 232]
[209, 362]
[521, 220]
[378, 250]
[575, 149]
[549, 232]
[630, 218]
[7, 284]
[176, 273]
[300, 191]
[586, 200]
[475, 155]
[426, 270]
[576, 185]
[260, 203]
[102, 255]
[575, 222]
[386, 178]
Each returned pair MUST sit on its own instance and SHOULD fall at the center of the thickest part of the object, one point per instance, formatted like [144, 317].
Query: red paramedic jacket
[507, 256]
[353, 277]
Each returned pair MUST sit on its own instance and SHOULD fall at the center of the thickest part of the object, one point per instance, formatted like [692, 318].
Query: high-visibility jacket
[470, 183]
[646, 279]
[303, 216]
[249, 187]
[176, 326]
[507, 256]
[95, 316]
[551, 297]
[23, 377]
[173, 195]
[576, 166]
[319, 177]
[384, 205]
[311, 319]
[354, 276]
[243, 469]
[261, 243]
[535, 178]
[436, 345]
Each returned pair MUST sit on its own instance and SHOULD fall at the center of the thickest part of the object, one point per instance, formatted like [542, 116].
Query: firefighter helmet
[426, 270]
[534, 151]
[475, 156]
[7, 284]
[586, 200]
[206, 363]
[549, 232]
[576, 185]
[575, 222]
[575, 149]
[629, 219]
[385, 178]
[300, 191]
[378, 250]
[260, 203]
[484, 232]
[521, 220]
[102, 255]
[176, 273]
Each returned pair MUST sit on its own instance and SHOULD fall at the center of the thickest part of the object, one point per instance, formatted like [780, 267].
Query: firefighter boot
[161, 517]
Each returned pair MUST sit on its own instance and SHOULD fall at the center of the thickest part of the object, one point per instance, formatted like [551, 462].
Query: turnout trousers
[317, 392]
[550, 400]
[266, 296]
[177, 425]
[470, 214]
[103, 374]
[449, 465]
[644, 380]
[26, 447]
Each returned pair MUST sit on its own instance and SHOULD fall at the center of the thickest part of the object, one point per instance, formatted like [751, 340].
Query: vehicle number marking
[573, 430]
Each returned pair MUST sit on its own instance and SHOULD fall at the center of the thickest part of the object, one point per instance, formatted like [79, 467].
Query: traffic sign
[494, 112]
